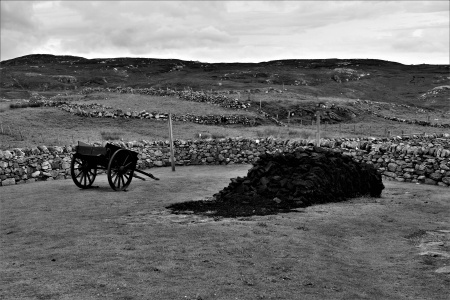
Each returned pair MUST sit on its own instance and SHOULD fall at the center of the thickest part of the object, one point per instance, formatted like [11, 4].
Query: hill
[369, 79]
[126, 98]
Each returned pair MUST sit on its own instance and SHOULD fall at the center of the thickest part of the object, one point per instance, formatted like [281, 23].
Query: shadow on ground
[232, 209]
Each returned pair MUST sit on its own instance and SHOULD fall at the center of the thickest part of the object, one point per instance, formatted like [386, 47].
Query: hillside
[63, 99]
[425, 86]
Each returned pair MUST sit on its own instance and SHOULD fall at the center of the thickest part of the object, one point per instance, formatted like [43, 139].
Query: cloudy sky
[409, 32]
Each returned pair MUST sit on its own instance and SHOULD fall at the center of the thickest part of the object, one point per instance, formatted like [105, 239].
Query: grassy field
[52, 126]
[59, 242]
[136, 102]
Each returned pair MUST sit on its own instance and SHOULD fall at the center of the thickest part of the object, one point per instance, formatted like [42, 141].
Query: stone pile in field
[304, 177]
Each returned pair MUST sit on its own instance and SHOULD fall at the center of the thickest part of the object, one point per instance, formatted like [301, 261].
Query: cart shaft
[148, 174]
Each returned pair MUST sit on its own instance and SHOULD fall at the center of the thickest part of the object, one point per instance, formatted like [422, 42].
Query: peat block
[303, 177]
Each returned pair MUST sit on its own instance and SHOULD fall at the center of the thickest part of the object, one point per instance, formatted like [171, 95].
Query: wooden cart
[119, 163]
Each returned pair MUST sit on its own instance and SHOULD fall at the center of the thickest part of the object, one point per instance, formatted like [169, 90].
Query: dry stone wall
[95, 110]
[424, 159]
[187, 94]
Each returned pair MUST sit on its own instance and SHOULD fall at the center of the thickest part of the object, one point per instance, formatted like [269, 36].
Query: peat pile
[282, 181]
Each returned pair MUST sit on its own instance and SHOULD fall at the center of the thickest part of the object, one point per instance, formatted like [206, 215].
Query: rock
[8, 181]
[36, 174]
[389, 174]
[443, 270]
[7, 154]
[429, 181]
[436, 176]
[277, 200]
[446, 180]
[392, 167]
[43, 149]
[158, 163]
[18, 152]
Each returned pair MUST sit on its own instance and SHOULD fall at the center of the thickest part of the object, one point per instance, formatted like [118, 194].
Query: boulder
[8, 181]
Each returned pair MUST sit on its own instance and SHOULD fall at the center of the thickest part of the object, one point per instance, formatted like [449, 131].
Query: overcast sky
[409, 32]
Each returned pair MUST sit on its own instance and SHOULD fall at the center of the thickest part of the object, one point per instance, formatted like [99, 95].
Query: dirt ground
[60, 242]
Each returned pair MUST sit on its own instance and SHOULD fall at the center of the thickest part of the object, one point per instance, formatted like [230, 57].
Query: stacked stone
[374, 104]
[417, 159]
[91, 111]
[304, 177]
[271, 118]
[34, 164]
[427, 164]
[408, 121]
[186, 94]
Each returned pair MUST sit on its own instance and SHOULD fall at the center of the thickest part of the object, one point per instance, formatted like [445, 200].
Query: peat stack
[301, 178]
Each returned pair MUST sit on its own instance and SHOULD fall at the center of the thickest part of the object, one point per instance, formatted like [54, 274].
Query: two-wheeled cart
[119, 163]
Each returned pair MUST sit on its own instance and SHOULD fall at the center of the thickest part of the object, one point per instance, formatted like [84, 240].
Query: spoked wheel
[121, 169]
[83, 173]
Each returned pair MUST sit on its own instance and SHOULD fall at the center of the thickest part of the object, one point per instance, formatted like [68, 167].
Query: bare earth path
[60, 242]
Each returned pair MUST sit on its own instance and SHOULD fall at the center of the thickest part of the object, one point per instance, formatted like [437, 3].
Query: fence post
[318, 129]
[172, 160]
[340, 130]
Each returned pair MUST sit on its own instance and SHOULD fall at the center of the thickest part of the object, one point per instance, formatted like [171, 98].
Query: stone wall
[95, 110]
[424, 159]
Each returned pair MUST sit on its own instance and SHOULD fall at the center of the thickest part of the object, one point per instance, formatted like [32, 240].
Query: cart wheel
[120, 169]
[83, 173]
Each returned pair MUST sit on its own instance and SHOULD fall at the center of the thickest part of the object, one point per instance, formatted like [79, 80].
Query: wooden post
[10, 132]
[370, 130]
[260, 105]
[1, 127]
[340, 130]
[21, 136]
[172, 160]
[318, 129]
[289, 118]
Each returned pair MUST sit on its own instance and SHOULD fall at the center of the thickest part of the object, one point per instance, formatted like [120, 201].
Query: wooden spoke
[83, 172]
[120, 169]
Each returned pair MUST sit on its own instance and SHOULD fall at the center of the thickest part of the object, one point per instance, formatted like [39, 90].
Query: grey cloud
[17, 15]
